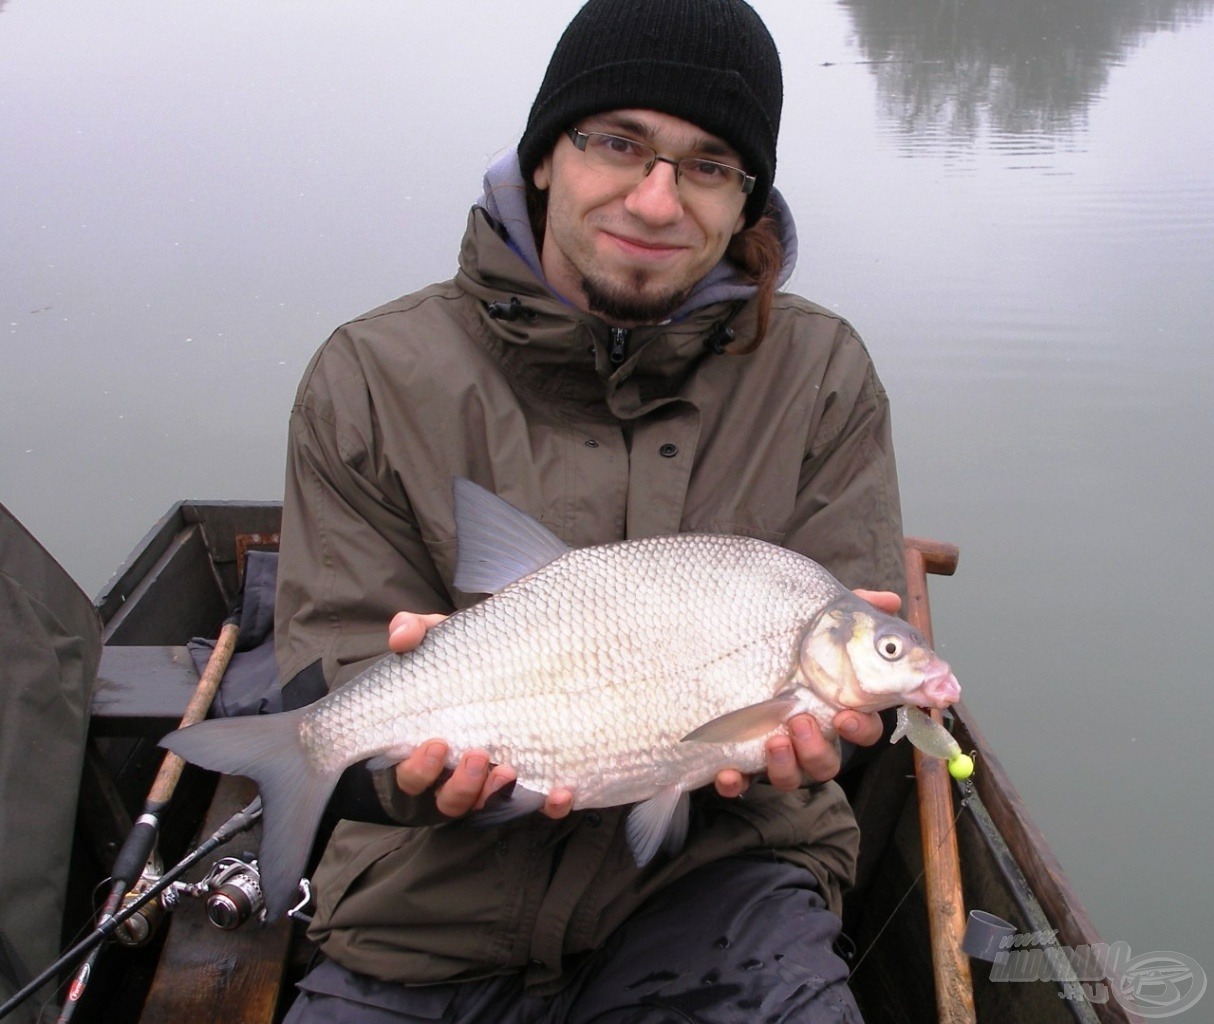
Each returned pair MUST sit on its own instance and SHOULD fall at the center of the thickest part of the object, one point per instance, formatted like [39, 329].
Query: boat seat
[142, 691]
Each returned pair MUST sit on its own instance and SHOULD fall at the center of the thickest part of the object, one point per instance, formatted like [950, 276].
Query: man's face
[630, 252]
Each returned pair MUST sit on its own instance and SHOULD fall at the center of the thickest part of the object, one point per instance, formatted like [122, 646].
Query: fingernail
[781, 753]
[801, 728]
[476, 766]
[849, 726]
[434, 755]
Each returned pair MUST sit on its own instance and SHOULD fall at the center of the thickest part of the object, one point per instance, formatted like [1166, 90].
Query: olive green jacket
[491, 377]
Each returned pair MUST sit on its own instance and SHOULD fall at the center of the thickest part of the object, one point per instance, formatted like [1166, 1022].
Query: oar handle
[941, 859]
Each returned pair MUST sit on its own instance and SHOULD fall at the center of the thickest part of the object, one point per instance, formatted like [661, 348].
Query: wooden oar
[133, 857]
[941, 860]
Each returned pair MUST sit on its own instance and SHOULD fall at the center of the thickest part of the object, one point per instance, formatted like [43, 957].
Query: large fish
[629, 673]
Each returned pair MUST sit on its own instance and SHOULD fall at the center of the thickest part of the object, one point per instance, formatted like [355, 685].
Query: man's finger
[421, 769]
[731, 783]
[883, 600]
[783, 770]
[500, 776]
[816, 756]
[460, 793]
[859, 728]
[408, 629]
[558, 803]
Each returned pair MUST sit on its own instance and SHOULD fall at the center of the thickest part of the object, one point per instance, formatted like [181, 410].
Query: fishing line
[967, 787]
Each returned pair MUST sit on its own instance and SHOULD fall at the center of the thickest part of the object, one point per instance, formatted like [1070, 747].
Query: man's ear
[542, 175]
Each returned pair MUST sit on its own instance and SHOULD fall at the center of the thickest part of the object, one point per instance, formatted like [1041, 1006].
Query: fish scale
[630, 672]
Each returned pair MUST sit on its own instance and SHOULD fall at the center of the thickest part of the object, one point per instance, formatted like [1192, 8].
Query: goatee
[633, 306]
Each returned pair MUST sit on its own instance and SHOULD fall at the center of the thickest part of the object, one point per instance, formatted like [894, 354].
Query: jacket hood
[559, 350]
[505, 202]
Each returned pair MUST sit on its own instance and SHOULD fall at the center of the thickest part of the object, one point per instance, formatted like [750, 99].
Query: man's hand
[804, 752]
[474, 779]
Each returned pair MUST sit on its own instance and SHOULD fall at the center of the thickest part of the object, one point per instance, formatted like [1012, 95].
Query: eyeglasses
[631, 160]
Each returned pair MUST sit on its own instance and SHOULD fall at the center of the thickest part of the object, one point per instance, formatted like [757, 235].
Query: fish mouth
[939, 688]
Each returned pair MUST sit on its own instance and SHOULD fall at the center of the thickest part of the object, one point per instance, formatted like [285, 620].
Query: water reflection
[1025, 71]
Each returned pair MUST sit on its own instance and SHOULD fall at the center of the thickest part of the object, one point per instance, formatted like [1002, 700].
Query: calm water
[1013, 202]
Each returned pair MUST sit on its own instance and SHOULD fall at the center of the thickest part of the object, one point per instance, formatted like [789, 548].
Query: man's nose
[655, 198]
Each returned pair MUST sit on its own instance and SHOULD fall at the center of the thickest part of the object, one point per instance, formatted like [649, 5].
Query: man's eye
[618, 146]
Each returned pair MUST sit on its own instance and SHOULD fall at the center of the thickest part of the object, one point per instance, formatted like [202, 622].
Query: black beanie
[710, 62]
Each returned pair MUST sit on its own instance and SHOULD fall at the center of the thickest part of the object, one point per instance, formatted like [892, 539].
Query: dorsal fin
[496, 544]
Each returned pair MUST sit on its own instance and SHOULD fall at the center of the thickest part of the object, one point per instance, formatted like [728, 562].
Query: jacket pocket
[423, 905]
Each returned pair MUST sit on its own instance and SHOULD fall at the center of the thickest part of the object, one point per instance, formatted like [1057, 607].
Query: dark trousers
[740, 941]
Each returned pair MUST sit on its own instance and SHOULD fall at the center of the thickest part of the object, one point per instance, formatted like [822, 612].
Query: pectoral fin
[747, 723]
[660, 821]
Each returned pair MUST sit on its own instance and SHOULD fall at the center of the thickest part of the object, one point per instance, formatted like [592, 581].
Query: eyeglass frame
[581, 138]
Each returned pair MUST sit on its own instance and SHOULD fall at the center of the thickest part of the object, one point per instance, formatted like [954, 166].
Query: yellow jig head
[932, 738]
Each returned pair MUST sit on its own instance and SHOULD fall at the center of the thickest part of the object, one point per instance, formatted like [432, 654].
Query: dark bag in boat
[250, 684]
[50, 646]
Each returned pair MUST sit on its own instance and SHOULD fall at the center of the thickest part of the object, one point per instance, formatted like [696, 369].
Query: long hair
[756, 251]
[759, 254]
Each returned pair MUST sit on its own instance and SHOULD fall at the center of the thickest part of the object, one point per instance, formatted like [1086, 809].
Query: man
[613, 357]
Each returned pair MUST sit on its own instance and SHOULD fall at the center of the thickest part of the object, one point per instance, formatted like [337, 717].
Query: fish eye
[890, 646]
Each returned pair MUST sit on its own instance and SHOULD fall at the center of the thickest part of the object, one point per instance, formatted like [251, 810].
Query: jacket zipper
[619, 345]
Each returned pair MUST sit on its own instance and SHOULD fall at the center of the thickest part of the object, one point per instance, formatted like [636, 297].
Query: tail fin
[267, 749]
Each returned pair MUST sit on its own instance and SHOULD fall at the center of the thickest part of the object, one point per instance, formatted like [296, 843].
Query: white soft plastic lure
[933, 739]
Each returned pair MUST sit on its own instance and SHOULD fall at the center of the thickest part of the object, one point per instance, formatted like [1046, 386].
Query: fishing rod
[131, 864]
[239, 822]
